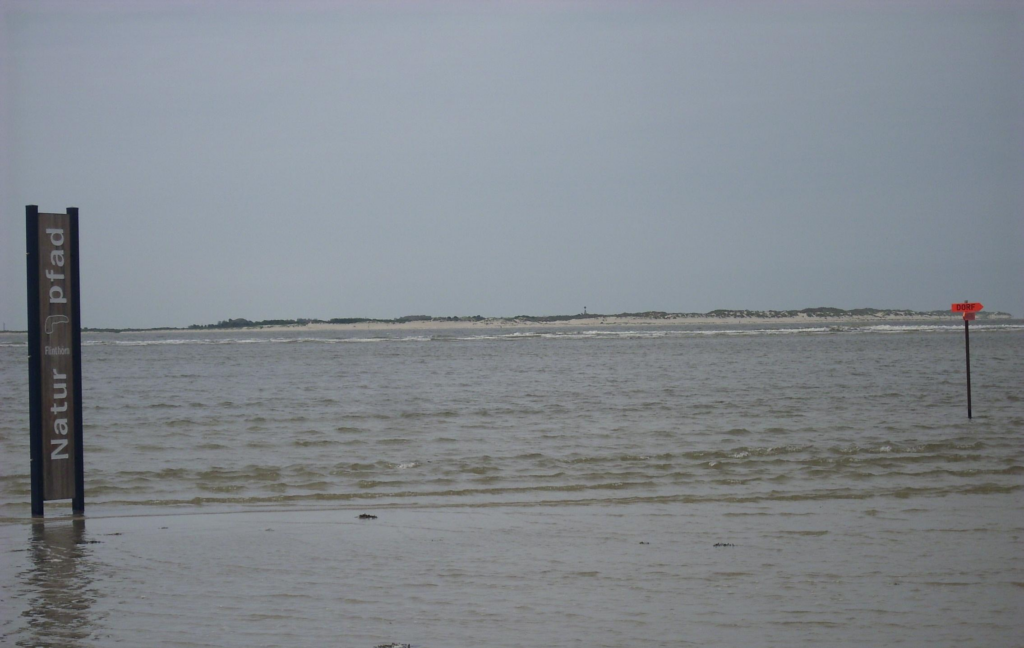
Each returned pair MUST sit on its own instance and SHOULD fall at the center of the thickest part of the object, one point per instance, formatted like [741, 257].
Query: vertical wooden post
[78, 501]
[35, 367]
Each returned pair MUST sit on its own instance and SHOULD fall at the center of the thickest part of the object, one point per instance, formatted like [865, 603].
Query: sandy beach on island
[612, 322]
[587, 322]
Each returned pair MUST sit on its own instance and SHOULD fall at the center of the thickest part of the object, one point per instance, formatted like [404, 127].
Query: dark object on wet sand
[367, 516]
[394, 645]
[642, 542]
[724, 544]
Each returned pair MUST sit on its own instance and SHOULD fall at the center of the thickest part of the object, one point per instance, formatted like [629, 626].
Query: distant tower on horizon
[584, 310]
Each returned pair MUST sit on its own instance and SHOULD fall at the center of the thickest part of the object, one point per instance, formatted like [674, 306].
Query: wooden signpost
[968, 309]
[54, 359]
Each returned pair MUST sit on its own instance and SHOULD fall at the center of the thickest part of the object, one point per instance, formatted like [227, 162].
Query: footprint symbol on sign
[54, 320]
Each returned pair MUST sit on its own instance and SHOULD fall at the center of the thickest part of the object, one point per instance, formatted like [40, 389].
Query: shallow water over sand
[938, 572]
[515, 477]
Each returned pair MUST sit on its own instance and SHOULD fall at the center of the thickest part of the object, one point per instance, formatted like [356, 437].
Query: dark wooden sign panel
[57, 371]
[54, 357]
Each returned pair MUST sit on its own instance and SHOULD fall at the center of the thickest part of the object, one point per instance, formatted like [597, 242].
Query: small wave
[738, 432]
[440, 414]
[307, 443]
[934, 328]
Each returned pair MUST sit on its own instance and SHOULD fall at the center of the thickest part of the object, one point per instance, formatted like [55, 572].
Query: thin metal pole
[967, 346]
[35, 367]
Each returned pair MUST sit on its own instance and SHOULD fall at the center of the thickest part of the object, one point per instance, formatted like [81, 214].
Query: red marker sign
[967, 307]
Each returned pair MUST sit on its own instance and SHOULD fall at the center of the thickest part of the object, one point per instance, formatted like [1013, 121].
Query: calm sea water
[517, 474]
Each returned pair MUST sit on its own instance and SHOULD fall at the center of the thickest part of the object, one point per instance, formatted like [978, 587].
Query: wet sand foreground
[938, 571]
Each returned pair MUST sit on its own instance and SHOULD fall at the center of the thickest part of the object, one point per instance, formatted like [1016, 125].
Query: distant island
[647, 318]
[820, 316]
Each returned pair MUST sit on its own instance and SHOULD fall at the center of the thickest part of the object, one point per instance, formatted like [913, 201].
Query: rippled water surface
[534, 464]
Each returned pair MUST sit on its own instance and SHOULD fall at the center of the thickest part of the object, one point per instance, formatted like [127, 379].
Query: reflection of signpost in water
[55, 358]
[61, 584]
[968, 309]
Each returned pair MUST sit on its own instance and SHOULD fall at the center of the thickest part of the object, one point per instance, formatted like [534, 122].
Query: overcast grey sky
[380, 159]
